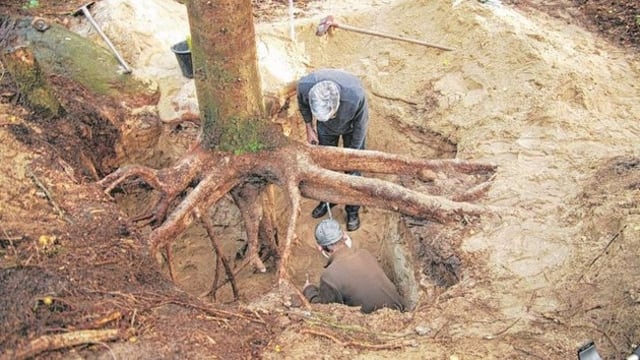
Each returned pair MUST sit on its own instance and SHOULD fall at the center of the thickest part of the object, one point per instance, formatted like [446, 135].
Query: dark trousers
[332, 140]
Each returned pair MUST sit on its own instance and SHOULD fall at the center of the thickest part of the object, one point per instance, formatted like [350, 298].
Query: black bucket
[183, 54]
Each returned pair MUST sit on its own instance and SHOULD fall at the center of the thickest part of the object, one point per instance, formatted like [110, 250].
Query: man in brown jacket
[352, 276]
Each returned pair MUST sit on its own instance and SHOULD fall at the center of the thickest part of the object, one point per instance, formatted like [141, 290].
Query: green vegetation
[31, 4]
[242, 136]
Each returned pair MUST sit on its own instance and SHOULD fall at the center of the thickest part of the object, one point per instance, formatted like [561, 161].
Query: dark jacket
[352, 116]
[353, 277]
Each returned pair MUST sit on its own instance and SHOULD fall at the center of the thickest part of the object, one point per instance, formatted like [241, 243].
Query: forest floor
[548, 90]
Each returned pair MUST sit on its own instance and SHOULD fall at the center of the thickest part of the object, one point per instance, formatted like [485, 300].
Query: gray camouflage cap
[324, 99]
[328, 232]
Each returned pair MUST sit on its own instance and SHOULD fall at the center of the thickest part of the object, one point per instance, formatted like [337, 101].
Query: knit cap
[328, 232]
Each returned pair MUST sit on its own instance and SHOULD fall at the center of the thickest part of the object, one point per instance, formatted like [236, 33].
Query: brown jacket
[353, 277]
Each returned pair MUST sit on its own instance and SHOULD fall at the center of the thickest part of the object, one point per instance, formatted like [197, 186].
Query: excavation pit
[416, 254]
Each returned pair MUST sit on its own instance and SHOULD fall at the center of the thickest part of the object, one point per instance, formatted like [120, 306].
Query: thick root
[313, 172]
[341, 159]
[60, 341]
[294, 205]
[170, 182]
[246, 197]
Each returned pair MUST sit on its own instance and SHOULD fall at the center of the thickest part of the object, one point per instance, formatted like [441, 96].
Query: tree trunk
[226, 74]
[229, 91]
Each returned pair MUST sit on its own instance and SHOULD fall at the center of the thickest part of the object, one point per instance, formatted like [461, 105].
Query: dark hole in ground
[435, 246]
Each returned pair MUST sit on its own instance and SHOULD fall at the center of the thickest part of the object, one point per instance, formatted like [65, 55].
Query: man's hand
[312, 135]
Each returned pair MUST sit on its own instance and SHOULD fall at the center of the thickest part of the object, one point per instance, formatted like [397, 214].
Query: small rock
[422, 330]
[294, 301]
[427, 175]
[283, 321]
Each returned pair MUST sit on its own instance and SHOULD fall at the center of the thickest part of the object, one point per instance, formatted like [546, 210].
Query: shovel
[84, 9]
[329, 22]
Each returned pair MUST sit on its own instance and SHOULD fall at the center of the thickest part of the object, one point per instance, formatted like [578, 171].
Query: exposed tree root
[210, 310]
[48, 195]
[169, 181]
[206, 222]
[246, 198]
[301, 170]
[356, 344]
[294, 204]
[60, 341]
[169, 250]
[341, 159]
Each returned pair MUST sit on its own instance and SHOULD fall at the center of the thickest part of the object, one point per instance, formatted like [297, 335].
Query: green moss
[31, 4]
[242, 136]
[33, 87]
[237, 135]
[43, 99]
[68, 54]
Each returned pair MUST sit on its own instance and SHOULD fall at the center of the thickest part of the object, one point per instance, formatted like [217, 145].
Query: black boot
[320, 210]
[353, 221]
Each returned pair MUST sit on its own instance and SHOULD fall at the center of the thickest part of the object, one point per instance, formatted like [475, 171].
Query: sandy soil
[554, 105]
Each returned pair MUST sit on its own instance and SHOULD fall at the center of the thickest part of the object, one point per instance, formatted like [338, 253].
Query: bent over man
[352, 276]
[338, 103]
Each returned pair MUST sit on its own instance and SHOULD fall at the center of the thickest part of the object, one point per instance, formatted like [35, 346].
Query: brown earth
[616, 20]
[72, 261]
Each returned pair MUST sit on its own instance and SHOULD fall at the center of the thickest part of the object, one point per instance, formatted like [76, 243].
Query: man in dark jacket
[338, 103]
[352, 276]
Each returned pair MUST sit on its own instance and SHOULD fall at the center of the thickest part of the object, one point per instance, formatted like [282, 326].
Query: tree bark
[226, 74]
[32, 83]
